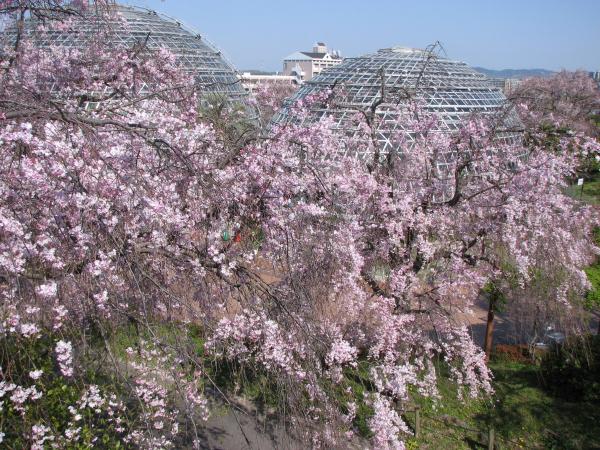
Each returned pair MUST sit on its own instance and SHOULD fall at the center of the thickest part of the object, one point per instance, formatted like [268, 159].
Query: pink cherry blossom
[64, 357]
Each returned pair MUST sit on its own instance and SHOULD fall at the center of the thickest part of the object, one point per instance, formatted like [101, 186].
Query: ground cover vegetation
[152, 252]
[525, 413]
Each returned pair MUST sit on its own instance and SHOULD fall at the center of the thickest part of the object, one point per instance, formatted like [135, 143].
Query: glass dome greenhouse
[128, 25]
[393, 77]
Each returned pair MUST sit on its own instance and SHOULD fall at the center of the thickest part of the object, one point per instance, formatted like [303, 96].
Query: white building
[498, 82]
[250, 81]
[508, 85]
[306, 65]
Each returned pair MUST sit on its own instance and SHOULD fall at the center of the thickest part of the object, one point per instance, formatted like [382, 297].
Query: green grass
[590, 194]
[526, 411]
[435, 433]
[522, 414]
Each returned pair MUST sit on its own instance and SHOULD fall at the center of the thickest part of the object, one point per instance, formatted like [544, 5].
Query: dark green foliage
[593, 295]
[20, 356]
[495, 295]
[593, 273]
[597, 235]
[230, 120]
[572, 371]
[358, 381]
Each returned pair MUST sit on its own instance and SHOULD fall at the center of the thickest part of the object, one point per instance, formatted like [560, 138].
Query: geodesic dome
[127, 26]
[395, 76]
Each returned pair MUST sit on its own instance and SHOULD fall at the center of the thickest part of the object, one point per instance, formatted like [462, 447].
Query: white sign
[580, 182]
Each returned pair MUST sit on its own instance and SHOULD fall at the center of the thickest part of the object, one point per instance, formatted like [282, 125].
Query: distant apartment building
[306, 65]
[508, 85]
[497, 82]
[250, 80]
[596, 77]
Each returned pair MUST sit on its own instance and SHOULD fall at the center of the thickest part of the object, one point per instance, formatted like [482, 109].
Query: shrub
[573, 370]
[513, 353]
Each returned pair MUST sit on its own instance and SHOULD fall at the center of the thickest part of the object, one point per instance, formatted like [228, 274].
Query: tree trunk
[489, 329]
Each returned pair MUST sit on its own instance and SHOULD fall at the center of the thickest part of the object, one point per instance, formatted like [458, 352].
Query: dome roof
[449, 88]
[212, 72]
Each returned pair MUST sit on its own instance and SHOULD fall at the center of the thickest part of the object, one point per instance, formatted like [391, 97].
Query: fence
[486, 438]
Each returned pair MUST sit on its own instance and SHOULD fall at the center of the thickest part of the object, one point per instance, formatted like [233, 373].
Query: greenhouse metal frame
[127, 26]
[391, 78]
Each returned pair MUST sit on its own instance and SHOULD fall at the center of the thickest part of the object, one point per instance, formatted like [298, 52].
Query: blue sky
[257, 34]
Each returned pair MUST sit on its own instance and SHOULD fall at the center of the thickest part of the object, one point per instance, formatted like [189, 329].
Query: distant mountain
[514, 73]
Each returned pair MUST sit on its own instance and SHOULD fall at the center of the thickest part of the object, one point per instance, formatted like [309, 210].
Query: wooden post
[417, 421]
[491, 439]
